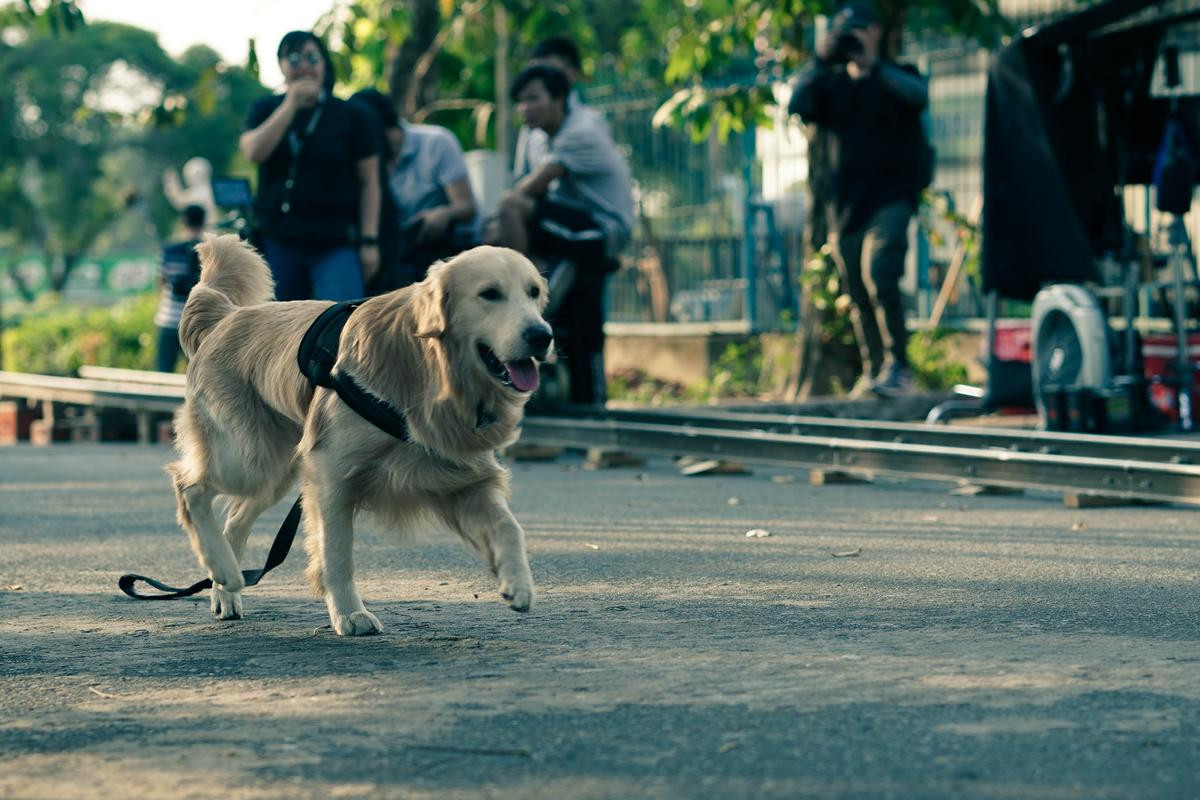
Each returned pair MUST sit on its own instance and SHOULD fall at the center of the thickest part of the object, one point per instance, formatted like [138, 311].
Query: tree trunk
[808, 348]
[69, 262]
[816, 359]
[503, 105]
[425, 22]
[14, 274]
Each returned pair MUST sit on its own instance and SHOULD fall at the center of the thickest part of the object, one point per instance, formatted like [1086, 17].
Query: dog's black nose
[538, 338]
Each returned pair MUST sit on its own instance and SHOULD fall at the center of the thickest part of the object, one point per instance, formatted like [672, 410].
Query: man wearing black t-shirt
[871, 109]
[318, 180]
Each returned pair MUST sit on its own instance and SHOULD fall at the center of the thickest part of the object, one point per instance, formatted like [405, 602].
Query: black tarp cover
[1068, 118]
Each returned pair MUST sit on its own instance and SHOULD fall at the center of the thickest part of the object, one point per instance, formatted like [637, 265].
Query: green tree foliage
[46, 16]
[725, 56]
[56, 339]
[451, 48]
[63, 97]
[201, 114]
[90, 115]
[719, 59]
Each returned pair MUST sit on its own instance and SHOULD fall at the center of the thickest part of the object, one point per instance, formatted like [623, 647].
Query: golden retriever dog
[457, 354]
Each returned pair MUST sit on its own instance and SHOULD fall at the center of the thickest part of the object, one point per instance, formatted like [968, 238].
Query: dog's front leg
[483, 518]
[329, 539]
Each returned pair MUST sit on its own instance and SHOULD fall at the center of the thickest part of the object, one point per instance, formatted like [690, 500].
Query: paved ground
[983, 647]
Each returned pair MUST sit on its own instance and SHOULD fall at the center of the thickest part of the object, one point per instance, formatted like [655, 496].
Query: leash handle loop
[276, 555]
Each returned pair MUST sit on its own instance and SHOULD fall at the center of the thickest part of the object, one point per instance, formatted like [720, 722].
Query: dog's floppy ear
[429, 303]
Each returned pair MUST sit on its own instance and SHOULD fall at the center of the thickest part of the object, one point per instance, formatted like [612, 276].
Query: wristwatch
[368, 240]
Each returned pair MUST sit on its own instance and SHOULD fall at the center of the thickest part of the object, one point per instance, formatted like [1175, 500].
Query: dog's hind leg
[213, 550]
[243, 511]
[329, 540]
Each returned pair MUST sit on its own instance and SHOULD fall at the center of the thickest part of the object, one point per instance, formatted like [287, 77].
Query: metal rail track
[1119, 478]
[1132, 448]
[1117, 467]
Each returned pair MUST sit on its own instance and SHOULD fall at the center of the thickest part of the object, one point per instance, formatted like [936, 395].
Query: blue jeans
[304, 272]
[168, 350]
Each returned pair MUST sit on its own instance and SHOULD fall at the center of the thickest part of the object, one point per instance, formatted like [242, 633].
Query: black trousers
[579, 335]
[871, 261]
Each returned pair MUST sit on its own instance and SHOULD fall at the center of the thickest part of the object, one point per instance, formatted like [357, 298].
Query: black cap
[194, 215]
[855, 15]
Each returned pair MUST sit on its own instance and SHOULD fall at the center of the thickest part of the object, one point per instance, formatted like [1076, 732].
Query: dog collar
[317, 357]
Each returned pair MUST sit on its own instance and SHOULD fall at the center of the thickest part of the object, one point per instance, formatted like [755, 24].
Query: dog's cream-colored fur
[251, 424]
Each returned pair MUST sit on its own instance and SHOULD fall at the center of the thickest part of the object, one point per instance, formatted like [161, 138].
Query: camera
[842, 42]
[846, 46]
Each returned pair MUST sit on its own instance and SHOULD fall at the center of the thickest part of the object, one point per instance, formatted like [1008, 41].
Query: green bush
[932, 363]
[737, 373]
[56, 339]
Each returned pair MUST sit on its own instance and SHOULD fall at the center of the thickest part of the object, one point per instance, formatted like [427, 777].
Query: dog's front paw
[226, 604]
[358, 623]
[518, 593]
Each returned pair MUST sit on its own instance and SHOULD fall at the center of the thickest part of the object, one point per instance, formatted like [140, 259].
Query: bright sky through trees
[224, 25]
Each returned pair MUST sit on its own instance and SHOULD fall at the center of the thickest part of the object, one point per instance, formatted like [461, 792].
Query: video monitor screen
[231, 192]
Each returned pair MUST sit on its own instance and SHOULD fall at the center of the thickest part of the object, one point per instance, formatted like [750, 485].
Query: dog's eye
[491, 293]
[534, 292]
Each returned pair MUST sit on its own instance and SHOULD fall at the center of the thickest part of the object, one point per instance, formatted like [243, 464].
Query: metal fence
[689, 256]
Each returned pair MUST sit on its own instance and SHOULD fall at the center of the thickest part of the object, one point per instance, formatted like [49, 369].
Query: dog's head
[485, 305]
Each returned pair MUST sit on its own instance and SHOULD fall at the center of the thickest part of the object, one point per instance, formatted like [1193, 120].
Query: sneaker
[895, 382]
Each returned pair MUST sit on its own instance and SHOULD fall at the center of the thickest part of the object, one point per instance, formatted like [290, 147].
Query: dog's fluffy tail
[232, 274]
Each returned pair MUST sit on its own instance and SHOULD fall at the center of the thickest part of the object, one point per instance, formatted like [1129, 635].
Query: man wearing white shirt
[575, 206]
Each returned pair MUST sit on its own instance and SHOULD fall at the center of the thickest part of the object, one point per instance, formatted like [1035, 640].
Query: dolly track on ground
[1133, 468]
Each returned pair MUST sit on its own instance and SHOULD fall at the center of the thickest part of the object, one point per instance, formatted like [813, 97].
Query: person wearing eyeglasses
[318, 180]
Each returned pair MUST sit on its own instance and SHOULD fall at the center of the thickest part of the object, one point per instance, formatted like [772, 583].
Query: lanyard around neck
[296, 144]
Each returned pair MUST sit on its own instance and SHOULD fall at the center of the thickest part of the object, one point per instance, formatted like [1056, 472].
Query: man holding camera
[871, 109]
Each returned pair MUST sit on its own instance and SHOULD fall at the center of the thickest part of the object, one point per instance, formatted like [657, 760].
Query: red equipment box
[1159, 353]
[1014, 340]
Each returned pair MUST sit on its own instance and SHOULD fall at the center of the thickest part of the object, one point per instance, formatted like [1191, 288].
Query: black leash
[279, 551]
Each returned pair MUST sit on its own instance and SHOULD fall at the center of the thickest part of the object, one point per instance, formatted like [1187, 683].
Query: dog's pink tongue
[523, 374]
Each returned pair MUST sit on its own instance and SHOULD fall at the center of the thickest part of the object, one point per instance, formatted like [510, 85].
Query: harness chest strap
[317, 356]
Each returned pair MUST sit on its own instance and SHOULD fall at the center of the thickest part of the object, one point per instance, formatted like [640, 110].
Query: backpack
[181, 267]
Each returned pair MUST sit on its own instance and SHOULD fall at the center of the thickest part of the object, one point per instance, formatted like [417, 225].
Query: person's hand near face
[304, 73]
[868, 53]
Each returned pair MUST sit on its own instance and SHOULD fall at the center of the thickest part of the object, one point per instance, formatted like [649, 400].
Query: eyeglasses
[310, 58]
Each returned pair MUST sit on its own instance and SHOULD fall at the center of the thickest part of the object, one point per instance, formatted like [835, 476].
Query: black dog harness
[316, 357]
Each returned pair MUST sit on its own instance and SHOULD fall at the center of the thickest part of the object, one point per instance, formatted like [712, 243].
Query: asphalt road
[991, 647]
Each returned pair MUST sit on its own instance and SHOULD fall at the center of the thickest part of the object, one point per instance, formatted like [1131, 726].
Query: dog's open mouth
[522, 375]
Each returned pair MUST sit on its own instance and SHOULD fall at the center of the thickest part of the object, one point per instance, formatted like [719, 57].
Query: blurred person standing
[428, 182]
[318, 180]
[871, 108]
[180, 271]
